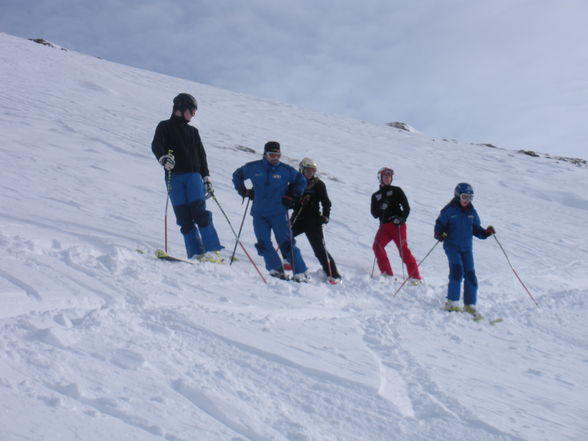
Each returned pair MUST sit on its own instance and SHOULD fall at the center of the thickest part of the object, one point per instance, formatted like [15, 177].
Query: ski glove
[167, 161]
[208, 187]
[324, 219]
[489, 231]
[288, 201]
[441, 236]
[247, 193]
[397, 220]
[305, 199]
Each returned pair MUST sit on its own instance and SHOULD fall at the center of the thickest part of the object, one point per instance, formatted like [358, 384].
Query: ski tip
[161, 253]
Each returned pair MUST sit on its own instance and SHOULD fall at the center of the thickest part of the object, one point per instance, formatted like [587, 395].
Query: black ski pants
[314, 233]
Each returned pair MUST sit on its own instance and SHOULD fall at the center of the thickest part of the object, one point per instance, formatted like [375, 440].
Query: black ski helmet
[185, 101]
[271, 146]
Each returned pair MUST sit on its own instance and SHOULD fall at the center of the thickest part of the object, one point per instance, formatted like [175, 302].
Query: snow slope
[99, 341]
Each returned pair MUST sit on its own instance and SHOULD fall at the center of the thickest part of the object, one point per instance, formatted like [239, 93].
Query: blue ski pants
[262, 226]
[186, 194]
[461, 267]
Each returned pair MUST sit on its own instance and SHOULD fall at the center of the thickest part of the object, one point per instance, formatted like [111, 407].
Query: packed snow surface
[100, 340]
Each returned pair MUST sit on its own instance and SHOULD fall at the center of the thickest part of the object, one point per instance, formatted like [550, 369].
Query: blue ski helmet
[463, 188]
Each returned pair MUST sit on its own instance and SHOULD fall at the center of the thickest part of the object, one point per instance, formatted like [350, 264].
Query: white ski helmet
[307, 163]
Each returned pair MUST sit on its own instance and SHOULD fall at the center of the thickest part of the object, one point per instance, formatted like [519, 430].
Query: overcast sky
[509, 72]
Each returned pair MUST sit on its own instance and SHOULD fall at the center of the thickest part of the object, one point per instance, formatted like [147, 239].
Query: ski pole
[418, 264]
[401, 248]
[295, 218]
[237, 237]
[330, 279]
[514, 271]
[169, 152]
[430, 251]
[374, 264]
[291, 241]
[377, 242]
[278, 246]
[240, 229]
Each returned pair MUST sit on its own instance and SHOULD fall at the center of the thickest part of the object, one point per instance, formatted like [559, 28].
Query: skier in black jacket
[178, 148]
[390, 206]
[308, 218]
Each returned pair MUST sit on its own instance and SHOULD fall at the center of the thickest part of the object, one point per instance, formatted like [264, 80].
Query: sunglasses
[466, 197]
[273, 155]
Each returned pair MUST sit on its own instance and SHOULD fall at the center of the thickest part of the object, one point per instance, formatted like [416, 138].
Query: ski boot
[212, 257]
[452, 305]
[301, 278]
[279, 274]
[471, 309]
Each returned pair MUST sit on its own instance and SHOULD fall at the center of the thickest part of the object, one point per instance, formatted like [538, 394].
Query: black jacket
[175, 134]
[315, 195]
[395, 201]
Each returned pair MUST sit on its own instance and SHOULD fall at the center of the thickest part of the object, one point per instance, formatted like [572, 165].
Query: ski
[477, 317]
[160, 254]
[285, 278]
[207, 258]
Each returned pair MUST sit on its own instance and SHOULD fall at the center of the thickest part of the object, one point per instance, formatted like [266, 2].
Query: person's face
[189, 114]
[465, 199]
[308, 173]
[273, 157]
[386, 179]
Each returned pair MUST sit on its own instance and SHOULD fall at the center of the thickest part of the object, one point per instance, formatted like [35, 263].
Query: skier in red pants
[390, 206]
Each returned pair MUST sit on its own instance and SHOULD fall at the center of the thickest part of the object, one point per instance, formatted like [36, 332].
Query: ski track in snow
[101, 340]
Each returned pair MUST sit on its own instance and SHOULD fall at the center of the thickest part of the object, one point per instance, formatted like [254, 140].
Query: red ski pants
[397, 233]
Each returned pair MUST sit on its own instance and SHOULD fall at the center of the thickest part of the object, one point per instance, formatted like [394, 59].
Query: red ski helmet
[385, 171]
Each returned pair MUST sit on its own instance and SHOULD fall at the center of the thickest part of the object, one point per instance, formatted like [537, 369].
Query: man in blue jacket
[275, 186]
[456, 225]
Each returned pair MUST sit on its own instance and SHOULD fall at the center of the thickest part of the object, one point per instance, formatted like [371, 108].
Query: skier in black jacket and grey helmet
[308, 217]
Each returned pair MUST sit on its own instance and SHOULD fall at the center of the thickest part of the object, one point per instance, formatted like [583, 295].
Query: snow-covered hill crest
[100, 341]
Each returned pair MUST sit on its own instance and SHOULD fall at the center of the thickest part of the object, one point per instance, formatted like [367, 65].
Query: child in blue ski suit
[456, 225]
[275, 186]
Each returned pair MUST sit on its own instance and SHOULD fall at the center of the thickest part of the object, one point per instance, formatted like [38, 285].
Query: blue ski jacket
[270, 183]
[460, 224]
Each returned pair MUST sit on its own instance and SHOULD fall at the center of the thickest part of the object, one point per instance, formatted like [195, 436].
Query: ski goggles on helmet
[466, 197]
